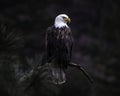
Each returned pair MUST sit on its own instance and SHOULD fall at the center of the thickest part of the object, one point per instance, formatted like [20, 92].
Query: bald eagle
[59, 43]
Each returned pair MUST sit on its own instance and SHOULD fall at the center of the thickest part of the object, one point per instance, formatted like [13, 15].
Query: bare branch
[82, 69]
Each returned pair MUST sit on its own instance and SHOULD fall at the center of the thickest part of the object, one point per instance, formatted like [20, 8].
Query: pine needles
[10, 40]
[15, 80]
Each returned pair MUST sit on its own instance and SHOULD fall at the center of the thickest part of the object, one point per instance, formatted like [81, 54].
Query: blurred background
[96, 30]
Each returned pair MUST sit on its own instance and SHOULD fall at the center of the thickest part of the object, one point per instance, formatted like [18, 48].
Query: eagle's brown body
[59, 48]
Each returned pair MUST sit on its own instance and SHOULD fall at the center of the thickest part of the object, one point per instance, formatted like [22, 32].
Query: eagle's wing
[50, 43]
[70, 45]
[56, 46]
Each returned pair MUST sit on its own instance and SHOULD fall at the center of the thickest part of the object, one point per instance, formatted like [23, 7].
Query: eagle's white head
[61, 21]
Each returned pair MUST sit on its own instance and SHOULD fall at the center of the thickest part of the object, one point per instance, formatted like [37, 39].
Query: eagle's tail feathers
[57, 75]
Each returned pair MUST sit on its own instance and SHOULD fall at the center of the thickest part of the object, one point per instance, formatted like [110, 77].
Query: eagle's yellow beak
[68, 20]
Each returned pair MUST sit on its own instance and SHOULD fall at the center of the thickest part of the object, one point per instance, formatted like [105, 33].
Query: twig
[83, 71]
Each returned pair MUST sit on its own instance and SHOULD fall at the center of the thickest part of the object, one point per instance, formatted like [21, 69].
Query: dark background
[96, 30]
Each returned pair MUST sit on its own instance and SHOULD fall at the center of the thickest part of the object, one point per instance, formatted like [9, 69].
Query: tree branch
[82, 69]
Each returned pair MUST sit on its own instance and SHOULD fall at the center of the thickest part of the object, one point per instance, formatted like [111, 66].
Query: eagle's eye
[64, 17]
